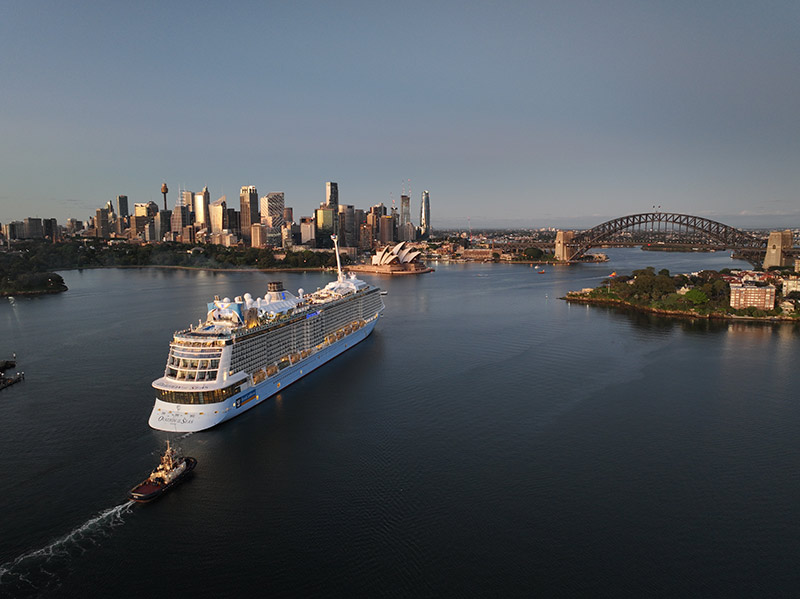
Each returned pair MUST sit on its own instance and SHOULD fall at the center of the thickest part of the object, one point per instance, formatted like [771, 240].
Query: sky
[512, 114]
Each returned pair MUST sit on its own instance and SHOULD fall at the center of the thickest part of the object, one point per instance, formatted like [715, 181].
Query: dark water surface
[488, 439]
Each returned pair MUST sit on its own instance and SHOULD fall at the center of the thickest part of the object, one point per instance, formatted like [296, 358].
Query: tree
[533, 253]
[696, 296]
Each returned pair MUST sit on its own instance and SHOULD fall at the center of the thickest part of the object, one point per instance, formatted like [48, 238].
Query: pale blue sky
[529, 113]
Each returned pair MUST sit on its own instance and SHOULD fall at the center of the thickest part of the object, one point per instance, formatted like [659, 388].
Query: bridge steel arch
[728, 236]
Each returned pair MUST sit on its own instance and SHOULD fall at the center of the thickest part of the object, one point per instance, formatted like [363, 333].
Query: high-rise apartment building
[288, 215]
[122, 206]
[248, 215]
[425, 216]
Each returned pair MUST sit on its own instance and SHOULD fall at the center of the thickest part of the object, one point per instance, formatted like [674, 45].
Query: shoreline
[211, 268]
[574, 297]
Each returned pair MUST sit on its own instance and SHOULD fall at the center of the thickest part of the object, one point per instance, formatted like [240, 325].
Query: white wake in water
[39, 570]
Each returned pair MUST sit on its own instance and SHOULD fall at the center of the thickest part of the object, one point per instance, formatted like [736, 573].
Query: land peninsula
[704, 294]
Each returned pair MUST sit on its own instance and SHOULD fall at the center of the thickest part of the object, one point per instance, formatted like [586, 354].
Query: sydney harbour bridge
[674, 231]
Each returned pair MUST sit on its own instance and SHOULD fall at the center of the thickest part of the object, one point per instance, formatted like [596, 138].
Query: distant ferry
[249, 349]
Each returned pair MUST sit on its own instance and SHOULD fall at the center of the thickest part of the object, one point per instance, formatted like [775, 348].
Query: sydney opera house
[400, 259]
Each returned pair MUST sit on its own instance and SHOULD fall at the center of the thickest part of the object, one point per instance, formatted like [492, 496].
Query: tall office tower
[308, 230]
[258, 235]
[234, 222]
[162, 222]
[406, 232]
[386, 230]
[288, 215]
[347, 231]
[201, 203]
[218, 214]
[331, 194]
[248, 215]
[187, 199]
[101, 223]
[272, 206]
[140, 209]
[325, 219]
[425, 216]
[14, 230]
[405, 209]
[122, 206]
[50, 229]
[73, 226]
[359, 218]
[180, 217]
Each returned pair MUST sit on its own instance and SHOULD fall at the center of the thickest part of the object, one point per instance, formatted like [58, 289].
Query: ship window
[201, 397]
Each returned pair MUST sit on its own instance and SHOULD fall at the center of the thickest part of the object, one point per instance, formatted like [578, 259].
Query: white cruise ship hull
[182, 418]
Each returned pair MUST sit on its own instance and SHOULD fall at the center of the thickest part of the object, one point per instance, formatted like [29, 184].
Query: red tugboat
[172, 470]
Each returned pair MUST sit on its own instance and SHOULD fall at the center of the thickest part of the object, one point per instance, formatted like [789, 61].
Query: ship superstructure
[249, 349]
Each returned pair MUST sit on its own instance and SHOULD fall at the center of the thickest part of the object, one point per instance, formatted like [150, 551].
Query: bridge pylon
[563, 239]
[778, 244]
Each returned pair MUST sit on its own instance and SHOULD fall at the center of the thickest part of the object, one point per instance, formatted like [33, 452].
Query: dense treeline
[28, 266]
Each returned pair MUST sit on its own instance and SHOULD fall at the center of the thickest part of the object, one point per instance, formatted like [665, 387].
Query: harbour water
[488, 439]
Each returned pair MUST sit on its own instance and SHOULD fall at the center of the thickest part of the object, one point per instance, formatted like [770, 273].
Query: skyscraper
[405, 209]
[187, 198]
[272, 206]
[248, 215]
[325, 219]
[180, 217]
[100, 223]
[332, 195]
[201, 203]
[122, 206]
[425, 216]
[218, 215]
[347, 221]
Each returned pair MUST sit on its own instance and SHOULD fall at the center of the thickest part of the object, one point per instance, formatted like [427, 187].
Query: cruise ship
[249, 349]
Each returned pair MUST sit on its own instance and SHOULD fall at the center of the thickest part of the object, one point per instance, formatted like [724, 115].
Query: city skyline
[512, 114]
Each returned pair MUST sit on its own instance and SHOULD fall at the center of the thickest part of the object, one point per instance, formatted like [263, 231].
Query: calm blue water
[487, 440]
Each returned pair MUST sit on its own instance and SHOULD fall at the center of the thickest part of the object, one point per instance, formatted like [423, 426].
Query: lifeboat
[294, 358]
[272, 370]
[259, 375]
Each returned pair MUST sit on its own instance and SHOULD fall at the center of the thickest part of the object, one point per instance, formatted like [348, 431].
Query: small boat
[540, 272]
[172, 470]
[384, 292]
